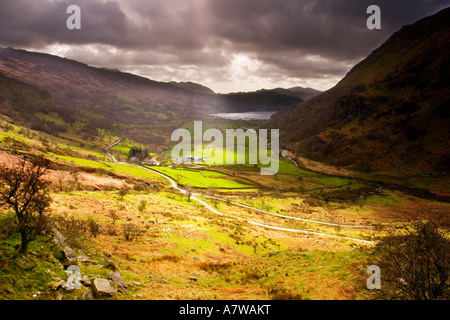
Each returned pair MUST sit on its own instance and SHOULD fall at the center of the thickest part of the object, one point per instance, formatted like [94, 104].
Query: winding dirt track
[194, 196]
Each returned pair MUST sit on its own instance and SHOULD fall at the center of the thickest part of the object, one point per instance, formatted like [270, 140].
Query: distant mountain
[299, 92]
[120, 102]
[128, 105]
[262, 100]
[389, 113]
[77, 84]
[193, 87]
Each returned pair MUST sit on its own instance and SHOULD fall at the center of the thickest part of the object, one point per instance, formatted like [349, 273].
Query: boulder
[56, 284]
[50, 272]
[135, 283]
[117, 278]
[58, 239]
[273, 253]
[104, 288]
[69, 257]
[85, 281]
[110, 265]
[87, 295]
[84, 259]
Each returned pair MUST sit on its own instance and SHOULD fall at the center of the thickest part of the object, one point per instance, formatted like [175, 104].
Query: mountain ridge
[389, 113]
[66, 80]
[126, 104]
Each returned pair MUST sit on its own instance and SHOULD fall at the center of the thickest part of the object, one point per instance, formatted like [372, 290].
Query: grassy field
[241, 157]
[201, 178]
[334, 181]
[124, 147]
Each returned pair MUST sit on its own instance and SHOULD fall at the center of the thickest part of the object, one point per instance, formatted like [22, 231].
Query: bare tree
[415, 266]
[114, 216]
[60, 176]
[76, 177]
[23, 190]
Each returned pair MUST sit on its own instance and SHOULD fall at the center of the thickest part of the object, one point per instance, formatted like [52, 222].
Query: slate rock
[87, 295]
[110, 265]
[104, 288]
[117, 278]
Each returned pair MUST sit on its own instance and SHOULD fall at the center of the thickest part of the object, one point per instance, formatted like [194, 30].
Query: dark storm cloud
[326, 27]
[266, 38]
[38, 23]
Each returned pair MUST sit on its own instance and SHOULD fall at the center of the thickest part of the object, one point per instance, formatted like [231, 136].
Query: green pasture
[201, 178]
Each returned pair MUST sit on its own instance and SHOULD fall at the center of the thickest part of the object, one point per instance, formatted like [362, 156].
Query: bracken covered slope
[391, 111]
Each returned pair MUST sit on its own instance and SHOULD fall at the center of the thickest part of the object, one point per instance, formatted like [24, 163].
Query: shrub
[94, 227]
[142, 206]
[168, 257]
[141, 186]
[131, 231]
[111, 230]
[277, 292]
[113, 215]
[73, 229]
[123, 192]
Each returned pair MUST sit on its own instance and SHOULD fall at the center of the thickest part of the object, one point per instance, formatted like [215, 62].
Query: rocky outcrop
[69, 256]
[99, 288]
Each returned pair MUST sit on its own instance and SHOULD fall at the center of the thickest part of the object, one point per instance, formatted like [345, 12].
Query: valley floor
[167, 245]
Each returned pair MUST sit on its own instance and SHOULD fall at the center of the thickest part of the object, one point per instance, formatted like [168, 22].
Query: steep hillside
[128, 105]
[42, 112]
[391, 111]
[120, 102]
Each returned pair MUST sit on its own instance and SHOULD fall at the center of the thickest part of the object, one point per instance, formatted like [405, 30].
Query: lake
[255, 115]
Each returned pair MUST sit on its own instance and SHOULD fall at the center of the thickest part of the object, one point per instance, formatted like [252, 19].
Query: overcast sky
[227, 45]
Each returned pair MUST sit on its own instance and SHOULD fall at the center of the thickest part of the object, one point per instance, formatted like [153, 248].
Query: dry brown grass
[244, 292]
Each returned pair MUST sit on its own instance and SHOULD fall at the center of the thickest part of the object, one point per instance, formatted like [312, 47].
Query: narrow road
[109, 147]
[284, 155]
[194, 196]
[289, 217]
